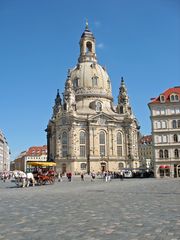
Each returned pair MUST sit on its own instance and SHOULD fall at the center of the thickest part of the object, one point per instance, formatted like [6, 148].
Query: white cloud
[100, 45]
[97, 23]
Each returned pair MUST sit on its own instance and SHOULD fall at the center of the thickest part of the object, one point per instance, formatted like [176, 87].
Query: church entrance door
[103, 167]
[63, 168]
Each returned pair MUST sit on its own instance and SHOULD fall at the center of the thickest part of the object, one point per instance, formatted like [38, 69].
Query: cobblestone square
[133, 209]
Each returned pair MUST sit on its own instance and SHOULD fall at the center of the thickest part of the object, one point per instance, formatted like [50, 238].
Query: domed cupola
[87, 46]
[89, 79]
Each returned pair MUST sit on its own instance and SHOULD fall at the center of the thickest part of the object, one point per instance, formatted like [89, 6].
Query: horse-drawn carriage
[38, 173]
[43, 172]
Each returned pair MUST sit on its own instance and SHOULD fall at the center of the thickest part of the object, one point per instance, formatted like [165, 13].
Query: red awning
[167, 166]
[162, 166]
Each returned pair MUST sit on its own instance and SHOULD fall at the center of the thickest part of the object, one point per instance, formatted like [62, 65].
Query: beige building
[4, 153]
[35, 153]
[146, 153]
[87, 132]
[165, 119]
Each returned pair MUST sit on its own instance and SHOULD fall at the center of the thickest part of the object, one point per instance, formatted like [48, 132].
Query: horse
[23, 179]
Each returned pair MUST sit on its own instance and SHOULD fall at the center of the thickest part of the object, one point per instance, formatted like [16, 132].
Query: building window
[174, 124]
[162, 98]
[160, 153]
[119, 151]
[166, 154]
[82, 141]
[176, 153]
[119, 144]
[177, 110]
[162, 111]
[175, 138]
[88, 47]
[163, 124]
[102, 143]
[164, 138]
[76, 83]
[119, 138]
[158, 111]
[64, 144]
[172, 98]
[83, 166]
[121, 110]
[121, 165]
[94, 81]
[176, 97]
[178, 123]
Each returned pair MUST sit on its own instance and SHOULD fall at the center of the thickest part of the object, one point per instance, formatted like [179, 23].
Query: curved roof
[91, 79]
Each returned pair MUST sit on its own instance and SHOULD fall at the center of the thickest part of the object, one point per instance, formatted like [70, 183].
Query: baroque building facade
[4, 153]
[87, 132]
[165, 121]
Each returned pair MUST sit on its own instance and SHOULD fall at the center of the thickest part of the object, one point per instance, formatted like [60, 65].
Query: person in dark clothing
[82, 176]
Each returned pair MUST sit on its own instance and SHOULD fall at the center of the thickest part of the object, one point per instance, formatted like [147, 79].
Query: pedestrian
[82, 176]
[92, 176]
[69, 176]
[106, 176]
[109, 176]
[121, 176]
[59, 177]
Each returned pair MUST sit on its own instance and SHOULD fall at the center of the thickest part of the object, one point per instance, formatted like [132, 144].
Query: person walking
[59, 177]
[121, 175]
[82, 176]
[92, 177]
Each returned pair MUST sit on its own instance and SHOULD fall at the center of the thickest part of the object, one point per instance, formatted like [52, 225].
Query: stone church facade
[87, 132]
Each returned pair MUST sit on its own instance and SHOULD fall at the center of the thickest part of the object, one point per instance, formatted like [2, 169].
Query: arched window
[94, 80]
[166, 154]
[172, 98]
[160, 153]
[175, 138]
[76, 83]
[82, 142]
[88, 47]
[176, 98]
[64, 144]
[174, 124]
[119, 144]
[162, 99]
[176, 153]
[102, 142]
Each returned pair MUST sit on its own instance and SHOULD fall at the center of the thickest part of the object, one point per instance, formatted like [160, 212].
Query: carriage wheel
[40, 182]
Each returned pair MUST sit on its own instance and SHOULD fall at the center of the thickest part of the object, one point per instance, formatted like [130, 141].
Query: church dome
[88, 78]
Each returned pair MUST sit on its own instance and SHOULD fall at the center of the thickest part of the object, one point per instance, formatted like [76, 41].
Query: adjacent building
[87, 132]
[4, 154]
[35, 153]
[165, 119]
[146, 153]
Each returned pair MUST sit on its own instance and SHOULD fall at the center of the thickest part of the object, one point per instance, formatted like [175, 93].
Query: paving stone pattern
[133, 209]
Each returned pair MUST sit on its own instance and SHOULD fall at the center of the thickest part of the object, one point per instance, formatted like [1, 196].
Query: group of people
[5, 175]
[107, 176]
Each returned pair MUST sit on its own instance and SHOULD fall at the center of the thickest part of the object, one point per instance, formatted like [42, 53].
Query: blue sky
[136, 39]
